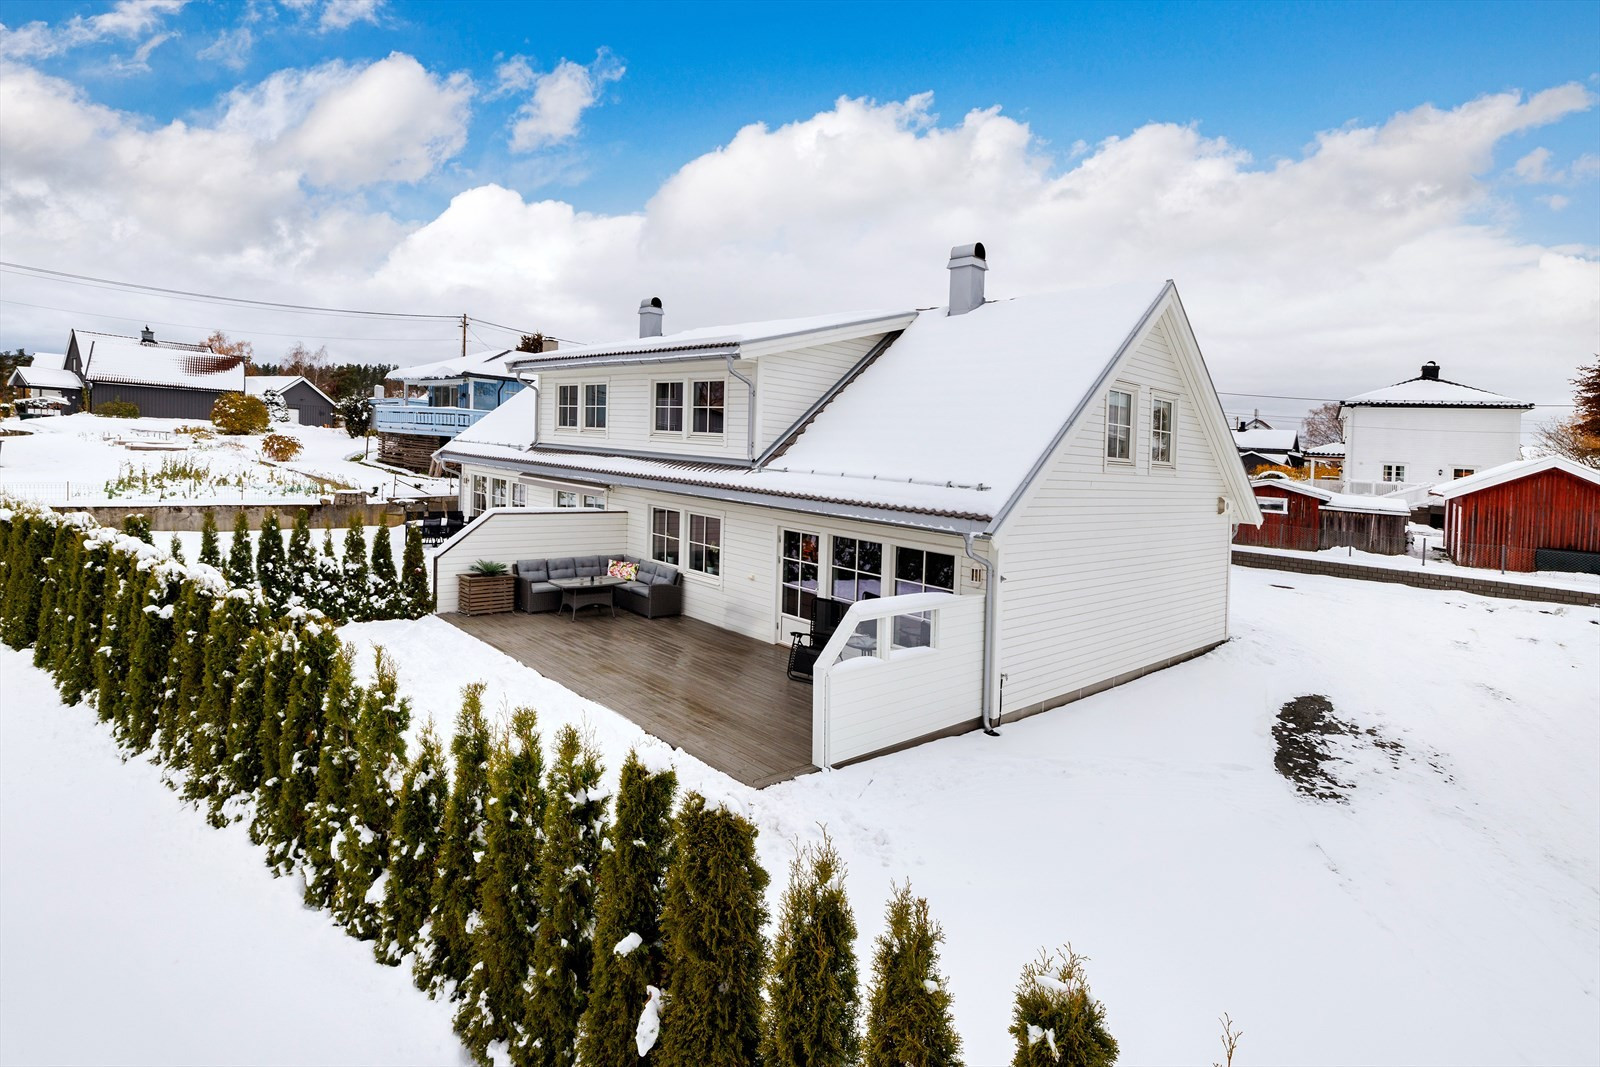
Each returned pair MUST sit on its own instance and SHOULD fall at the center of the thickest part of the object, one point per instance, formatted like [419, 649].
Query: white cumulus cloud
[127, 19]
[560, 97]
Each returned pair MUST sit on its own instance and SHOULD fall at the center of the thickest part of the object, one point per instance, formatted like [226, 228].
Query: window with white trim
[594, 406]
[666, 542]
[1161, 411]
[919, 571]
[1272, 505]
[567, 407]
[705, 544]
[668, 408]
[801, 561]
[480, 494]
[1394, 472]
[1462, 472]
[497, 492]
[594, 501]
[1119, 425]
[565, 499]
[707, 416]
[857, 571]
[519, 495]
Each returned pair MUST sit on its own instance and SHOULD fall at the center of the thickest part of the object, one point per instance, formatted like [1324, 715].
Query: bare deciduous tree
[1321, 425]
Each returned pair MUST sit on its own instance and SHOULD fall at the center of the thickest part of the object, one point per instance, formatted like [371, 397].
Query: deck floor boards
[720, 696]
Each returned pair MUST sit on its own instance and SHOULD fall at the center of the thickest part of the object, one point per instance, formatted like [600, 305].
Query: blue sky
[1265, 76]
[1341, 189]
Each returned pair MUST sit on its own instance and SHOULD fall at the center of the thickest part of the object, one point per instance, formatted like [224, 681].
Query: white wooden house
[1071, 444]
[1427, 429]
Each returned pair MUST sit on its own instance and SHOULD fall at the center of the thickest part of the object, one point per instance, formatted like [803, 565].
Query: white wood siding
[745, 597]
[630, 409]
[792, 381]
[1109, 567]
[1430, 442]
[867, 704]
[506, 535]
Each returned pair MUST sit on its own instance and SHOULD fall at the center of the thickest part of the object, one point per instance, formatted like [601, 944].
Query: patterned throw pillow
[626, 571]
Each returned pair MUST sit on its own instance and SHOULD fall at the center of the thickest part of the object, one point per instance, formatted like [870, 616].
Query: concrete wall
[173, 517]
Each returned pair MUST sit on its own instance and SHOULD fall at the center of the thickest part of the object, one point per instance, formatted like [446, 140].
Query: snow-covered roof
[1331, 450]
[1367, 505]
[1426, 391]
[740, 339]
[260, 384]
[171, 364]
[901, 436]
[46, 372]
[1266, 440]
[489, 364]
[1509, 472]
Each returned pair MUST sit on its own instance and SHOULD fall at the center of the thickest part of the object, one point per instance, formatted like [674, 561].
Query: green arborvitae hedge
[361, 849]
[1056, 1021]
[813, 1008]
[210, 546]
[908, 1015]
[629, 957]
[241, 566]
[714, 911]
[459, 879]
[327, 815]
[574, 826]
[414, 843]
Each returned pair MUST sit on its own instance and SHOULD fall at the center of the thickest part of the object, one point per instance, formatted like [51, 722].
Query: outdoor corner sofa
[655, 592]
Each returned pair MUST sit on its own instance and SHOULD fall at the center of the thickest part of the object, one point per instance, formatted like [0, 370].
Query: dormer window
[594, 406]
[668, 408]
[708, 407]
[567, 406]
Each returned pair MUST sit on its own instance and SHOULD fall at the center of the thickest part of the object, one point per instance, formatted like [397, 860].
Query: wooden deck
[720, 696]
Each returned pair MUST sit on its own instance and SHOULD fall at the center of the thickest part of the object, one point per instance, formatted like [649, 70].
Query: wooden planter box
[486, 595]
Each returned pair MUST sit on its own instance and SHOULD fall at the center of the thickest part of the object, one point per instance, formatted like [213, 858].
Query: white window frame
[1133, 405]
[592, 501]
[1462, 472]
[478, 496]
[566, 498]
[1171, 431]
[1398, 469]
[519, 494]
[689, 543]
[676, 537]
[498, 492]
[682, 407]
[692, 408]
[576, 407]
[1273, 505]
[604, 408]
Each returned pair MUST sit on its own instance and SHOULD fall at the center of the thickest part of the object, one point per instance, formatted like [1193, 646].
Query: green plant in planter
[485, 568]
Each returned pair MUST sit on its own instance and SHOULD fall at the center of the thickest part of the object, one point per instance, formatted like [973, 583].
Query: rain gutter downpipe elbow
[991, 603]
[750, 407]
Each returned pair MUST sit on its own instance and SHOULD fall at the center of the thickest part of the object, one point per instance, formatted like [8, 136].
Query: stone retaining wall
[1421, 579]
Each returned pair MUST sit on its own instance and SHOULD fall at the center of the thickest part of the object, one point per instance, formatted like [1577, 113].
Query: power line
[84, 279]
[519, 331]
[252, 333]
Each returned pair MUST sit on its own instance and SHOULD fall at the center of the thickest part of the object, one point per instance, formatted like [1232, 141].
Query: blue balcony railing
[397, 416]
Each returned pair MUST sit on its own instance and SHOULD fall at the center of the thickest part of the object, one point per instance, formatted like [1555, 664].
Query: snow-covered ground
[1431, 564]
[89, 452]
[1449, 913]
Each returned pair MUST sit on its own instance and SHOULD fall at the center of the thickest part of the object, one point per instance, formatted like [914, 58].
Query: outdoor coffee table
[594, 592]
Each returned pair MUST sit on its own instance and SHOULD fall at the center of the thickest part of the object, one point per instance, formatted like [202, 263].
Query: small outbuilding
[47, 379]
[1531, 514]
[1300, 516]
[302, 400]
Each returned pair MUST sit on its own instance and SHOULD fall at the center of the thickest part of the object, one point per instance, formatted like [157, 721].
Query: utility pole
[463, 335]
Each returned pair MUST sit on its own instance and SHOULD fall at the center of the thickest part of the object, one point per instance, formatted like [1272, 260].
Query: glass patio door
[799, 575]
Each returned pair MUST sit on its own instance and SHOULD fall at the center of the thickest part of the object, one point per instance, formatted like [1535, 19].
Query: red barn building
[1533, 514]
[1300, 516]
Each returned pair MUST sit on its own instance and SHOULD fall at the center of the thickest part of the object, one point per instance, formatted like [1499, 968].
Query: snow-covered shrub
[238, 414]
[406, 886]
[714, 911]
[1056, 1022]
[118, 409]
[812, 1003]
[280, 447]
[362, 852]
[628, 954]
[908, 1014]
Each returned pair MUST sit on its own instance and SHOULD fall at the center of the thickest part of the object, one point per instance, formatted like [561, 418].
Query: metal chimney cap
[147, 336]
[1430, 371]
[974, 252]
[652, 302]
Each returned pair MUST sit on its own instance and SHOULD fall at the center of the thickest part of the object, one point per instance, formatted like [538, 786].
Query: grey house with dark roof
[164, 379]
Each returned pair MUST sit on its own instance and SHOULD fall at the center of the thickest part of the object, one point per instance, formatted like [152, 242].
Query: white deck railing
[395, 416]
[896, 669]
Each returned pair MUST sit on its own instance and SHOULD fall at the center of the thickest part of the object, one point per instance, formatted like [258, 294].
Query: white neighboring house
[1424, 430]
[895, 460]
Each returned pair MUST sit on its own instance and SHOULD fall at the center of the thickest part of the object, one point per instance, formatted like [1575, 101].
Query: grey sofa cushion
[563, 568]
[589, 566]
[537, 570]
[647, 571]
[544, 587]
[637, 588]
[664, 575]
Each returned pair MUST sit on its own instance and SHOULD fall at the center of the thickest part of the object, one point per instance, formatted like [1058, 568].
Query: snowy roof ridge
[164, 364]
[1433, 392]
[187, 346]
[257, 384]
[1508, 472]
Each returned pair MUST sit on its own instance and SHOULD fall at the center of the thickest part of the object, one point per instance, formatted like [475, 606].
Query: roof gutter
[991, 609]
[678, 354]
[750, 408]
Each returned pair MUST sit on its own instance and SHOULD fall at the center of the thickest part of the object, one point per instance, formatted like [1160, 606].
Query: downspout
[750, 412]
[991, 593]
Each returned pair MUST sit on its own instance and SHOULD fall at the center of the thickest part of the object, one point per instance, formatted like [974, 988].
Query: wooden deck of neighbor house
[720, 696]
